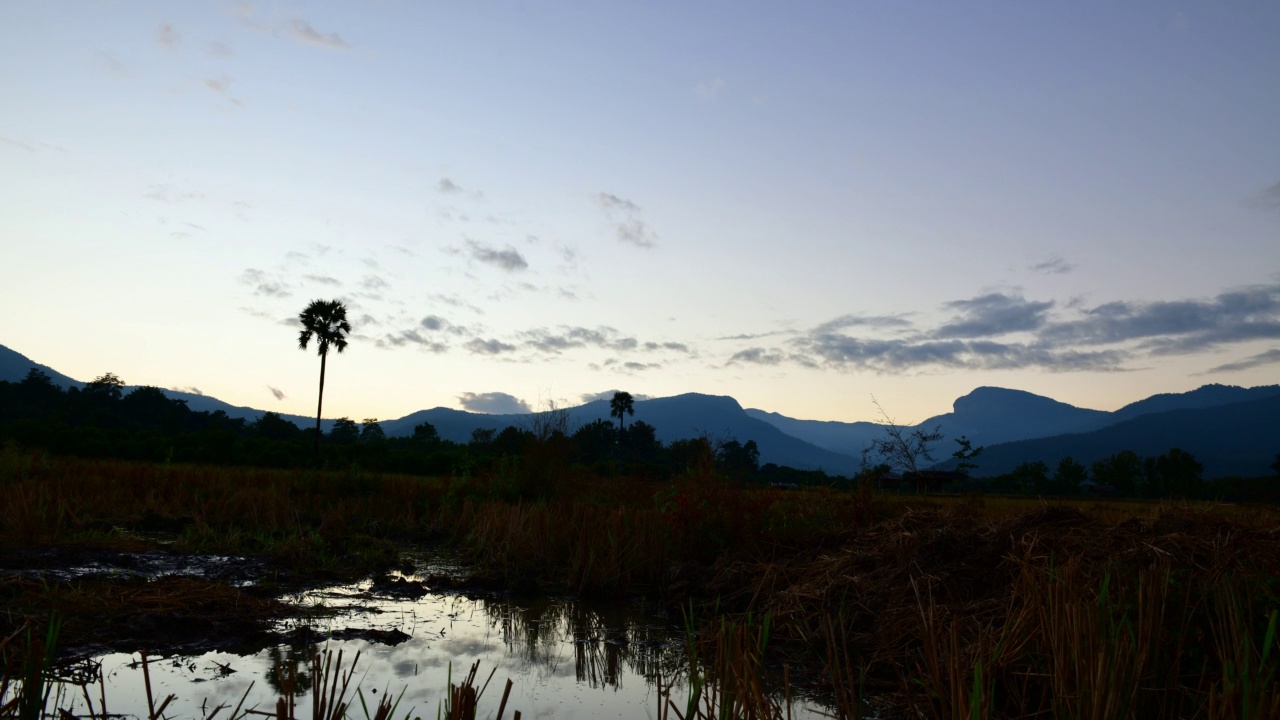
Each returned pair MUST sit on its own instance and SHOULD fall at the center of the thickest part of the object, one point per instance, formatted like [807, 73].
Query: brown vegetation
[957, 608]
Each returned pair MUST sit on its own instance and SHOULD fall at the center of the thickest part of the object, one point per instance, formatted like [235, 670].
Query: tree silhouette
[326, 320]
[905, 450]
[620, 406]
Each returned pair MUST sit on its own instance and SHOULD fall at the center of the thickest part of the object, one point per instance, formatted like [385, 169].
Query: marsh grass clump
[1053, 612]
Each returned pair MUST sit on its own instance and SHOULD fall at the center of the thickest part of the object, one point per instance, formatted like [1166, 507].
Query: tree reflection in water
[606, 642]
[290, 661]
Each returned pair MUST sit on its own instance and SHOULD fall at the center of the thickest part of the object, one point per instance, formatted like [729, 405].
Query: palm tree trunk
[320, 403]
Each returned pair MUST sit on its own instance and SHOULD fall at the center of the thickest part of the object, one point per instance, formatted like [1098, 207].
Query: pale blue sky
[797, 204]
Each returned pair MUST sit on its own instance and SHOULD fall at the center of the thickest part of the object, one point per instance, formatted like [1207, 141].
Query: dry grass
[1057, 611]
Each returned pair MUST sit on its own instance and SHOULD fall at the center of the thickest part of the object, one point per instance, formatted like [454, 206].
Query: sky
[803, 205]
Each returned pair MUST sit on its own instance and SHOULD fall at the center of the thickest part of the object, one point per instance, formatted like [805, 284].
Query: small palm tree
[621, 405]
[327, 321]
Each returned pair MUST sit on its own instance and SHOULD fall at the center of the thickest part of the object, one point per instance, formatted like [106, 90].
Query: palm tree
[327, 321]
[621, 405]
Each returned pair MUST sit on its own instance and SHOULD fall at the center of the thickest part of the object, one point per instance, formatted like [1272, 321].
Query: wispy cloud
[411, 337]
[167, 194]
[168, 37]
[1053, 266]
[758, 356]
[373, 284]
[853, 320]
[992, 315]
[608, 395]
[709, 91]
[481, 346]
[219, 85]
[294, 28]
[508, 258]
[1106, 337]
[447, 186]
[111, 65]
[1268, 357]
[18, 143]
[323, 280]
[1177, 326]
[191, 390]
[1266, 199]
[493, 403]
[624, 215]
[568, 338]
[302, 31]
[264, 284]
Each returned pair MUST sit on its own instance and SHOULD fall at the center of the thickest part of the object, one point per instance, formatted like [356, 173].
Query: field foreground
[934, 607]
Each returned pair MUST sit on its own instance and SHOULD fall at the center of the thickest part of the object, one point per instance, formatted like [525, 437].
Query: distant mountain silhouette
[1234, 439]
[14, 366]
[1232, 430]
[1202, 397]
[842, 437]
[674, 418]
[987, 416]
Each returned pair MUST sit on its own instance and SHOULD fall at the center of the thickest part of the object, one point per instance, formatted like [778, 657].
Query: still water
[566, 659]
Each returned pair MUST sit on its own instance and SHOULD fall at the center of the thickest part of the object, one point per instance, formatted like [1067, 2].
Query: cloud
[848, 321]
[1053, 266]
[843, 351]
[263, 284]
[435, 323]
[191, 390]
[323, 280]
[1268, 357]
[608, 395]
[1177, 326]
[508, 259]
[611, 203]
[993, 314]
[109, 64]
[373, 284]
[624, 215]
[277, 392]
[488, 347]
[1105, 337]
[568, 338]
[411, 337]
[448, 187]
[166, 194]
[758, 356]
[493, 403]
[18, 143]
[457, 302]
[710, 90]
[636, 233]
[673, 346]
[1266, 199]
[302, 31]
[168, 37]
[219, 85]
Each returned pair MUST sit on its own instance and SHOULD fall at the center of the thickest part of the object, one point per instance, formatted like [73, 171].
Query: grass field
[956, 607]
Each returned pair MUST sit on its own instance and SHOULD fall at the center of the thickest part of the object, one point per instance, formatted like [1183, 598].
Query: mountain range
[1231, 430]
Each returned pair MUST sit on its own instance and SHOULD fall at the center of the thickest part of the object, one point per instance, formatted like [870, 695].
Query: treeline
[1173, 474]
[102, 420]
